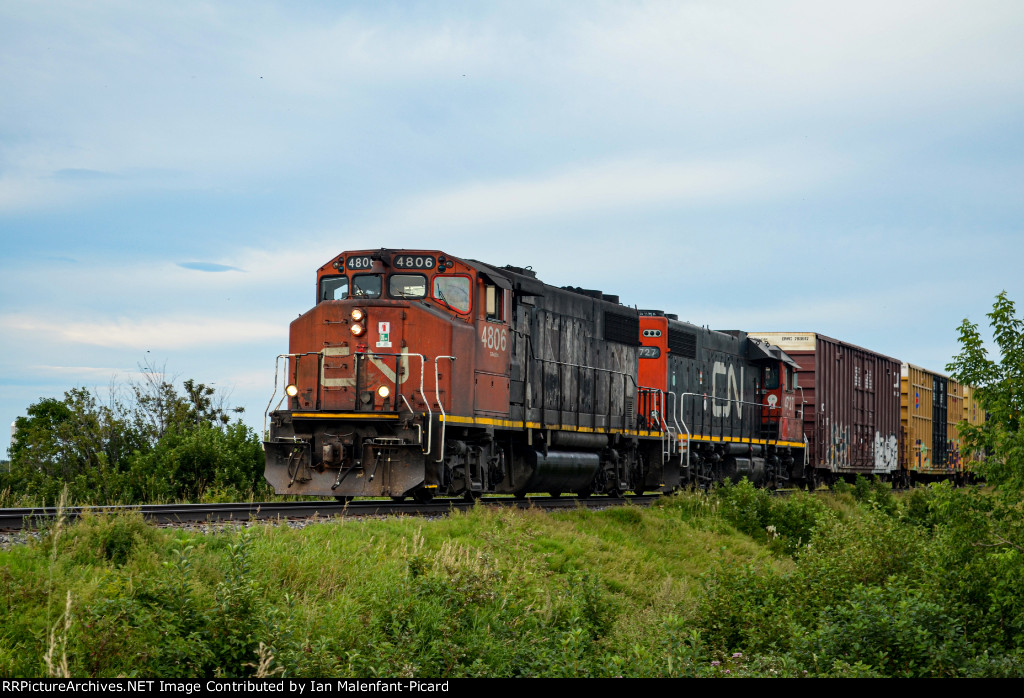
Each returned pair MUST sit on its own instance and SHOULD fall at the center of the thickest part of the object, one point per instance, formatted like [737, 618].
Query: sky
[172, 174]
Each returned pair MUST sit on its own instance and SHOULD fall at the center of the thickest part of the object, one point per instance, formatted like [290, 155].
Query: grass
[689, 587]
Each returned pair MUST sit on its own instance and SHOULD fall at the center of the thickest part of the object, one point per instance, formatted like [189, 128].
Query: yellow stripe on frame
[513, 424]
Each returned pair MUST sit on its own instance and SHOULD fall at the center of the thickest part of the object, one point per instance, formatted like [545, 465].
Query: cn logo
[386, 370]
[731, 390]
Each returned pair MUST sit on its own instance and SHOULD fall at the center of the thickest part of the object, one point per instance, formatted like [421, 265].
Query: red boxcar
[851, 405]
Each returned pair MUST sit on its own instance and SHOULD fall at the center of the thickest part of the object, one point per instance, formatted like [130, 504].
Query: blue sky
[172, 174]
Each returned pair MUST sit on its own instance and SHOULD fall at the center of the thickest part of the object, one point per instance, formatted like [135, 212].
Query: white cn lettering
[732, 390]
[334, 382]
[403, 361]
[351, 381]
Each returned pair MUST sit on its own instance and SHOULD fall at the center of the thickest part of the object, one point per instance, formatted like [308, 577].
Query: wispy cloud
[148, 334]
[207, 266]
[597, 189]
[78, 174]
[92, 372]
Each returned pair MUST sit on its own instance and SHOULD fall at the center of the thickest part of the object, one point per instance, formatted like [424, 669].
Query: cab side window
[494, 303]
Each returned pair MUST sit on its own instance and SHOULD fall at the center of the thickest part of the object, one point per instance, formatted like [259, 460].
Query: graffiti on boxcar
[922, 452]
[839, 446]
[953, 454]
[886, 452]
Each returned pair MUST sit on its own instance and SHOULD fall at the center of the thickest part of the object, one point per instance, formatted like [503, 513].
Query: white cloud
[786, 56]
[163, 334]
[594, 190]
[93, 372]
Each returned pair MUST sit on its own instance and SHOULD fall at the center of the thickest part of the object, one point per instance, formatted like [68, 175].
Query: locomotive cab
[371, 375]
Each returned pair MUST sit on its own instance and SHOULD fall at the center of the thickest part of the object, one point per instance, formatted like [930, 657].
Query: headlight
[384, 391]
[358, 314]
[357, 329]
[292, 390]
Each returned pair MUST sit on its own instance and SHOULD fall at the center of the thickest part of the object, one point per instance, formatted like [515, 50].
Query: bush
[161, 447]
[889, 629]
[786, 524]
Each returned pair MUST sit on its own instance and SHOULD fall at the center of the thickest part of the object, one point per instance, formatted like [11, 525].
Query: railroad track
[170, 514]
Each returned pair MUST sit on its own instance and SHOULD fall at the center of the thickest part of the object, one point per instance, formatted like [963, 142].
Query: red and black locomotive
[417, 373]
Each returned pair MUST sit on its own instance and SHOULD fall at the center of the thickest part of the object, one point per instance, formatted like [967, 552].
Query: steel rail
[36, 517]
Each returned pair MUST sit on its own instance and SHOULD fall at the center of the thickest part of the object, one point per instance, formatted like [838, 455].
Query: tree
[1000, 392]
[159, 408]
[157, 445]
[74, 441]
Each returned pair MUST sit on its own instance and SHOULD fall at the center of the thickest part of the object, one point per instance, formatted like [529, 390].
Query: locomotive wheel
[397, 498]
[471, 496]
[554, 494]
[344, 498]
[422, 495]
[584, 493]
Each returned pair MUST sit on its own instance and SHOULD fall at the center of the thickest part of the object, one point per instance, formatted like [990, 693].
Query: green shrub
[890, 629]
[111, 536]
[786, 524]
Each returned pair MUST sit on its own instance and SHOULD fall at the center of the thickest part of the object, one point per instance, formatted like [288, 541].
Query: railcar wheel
[422, 495]
[471, 496]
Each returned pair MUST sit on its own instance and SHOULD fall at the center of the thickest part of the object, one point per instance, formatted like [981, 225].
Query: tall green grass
[732, 583]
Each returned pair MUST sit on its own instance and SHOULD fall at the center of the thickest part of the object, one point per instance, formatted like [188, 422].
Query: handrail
[277, 365]
[675, 419]
[610, 371]
[661, 407]
[437, 396]
[359, 355]
[672, 411]
[682, 417]
[593, 368]
[627, 415]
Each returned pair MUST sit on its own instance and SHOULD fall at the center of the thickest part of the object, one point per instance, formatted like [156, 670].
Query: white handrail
[440, 406]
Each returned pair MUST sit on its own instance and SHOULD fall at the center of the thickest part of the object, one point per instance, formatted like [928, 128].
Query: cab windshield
[453, 291]
[407, 286]
[333, 288]
[366, 286]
